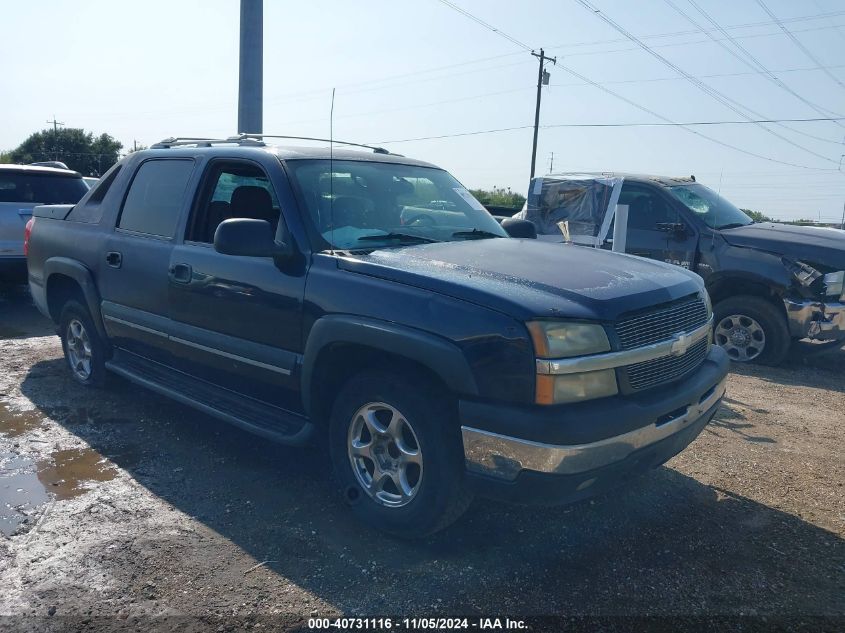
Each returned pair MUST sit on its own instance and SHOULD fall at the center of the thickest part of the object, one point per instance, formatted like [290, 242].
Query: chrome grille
[662, 324]
[662, 370]
[647, 328]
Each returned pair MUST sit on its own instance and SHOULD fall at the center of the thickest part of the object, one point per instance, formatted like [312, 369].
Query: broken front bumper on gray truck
[822, 321]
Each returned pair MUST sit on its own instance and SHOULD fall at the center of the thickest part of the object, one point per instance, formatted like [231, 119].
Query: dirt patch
[748, 520]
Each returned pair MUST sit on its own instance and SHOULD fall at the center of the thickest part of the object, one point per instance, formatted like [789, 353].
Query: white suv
[21, 188]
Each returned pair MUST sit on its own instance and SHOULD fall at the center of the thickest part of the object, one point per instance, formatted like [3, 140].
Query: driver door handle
[181, 273]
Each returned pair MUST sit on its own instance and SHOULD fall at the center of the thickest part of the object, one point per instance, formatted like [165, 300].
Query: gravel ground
[118, 505]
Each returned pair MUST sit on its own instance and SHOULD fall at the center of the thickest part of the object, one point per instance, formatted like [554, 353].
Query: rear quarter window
[156, 197]
[91, 211]
[41, 188]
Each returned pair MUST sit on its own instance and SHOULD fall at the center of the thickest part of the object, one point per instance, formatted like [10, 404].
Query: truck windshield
[713, 209]
[368, 204]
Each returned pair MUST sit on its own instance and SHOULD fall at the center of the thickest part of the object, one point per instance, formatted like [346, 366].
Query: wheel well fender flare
[79, 273]
[730, 283]
[439, 355]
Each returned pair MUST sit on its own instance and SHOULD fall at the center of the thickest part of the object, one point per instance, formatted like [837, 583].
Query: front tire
[751, 330]
[397, 453]
[84, 349]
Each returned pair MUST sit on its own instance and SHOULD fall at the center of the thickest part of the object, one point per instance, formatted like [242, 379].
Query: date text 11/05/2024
[413, 624]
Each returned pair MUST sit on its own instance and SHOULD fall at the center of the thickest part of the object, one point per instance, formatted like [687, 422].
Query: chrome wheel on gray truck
[751, 330]
[78, 349]
[397, 453]
[83, 348]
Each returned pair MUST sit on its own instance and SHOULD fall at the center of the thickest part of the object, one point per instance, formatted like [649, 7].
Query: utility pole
[251, 75]
[56, 125]
[542, 80]
[551, 162]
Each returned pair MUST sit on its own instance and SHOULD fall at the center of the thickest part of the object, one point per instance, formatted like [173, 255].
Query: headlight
[835, 284]
[803, 273]
[560, 339]
[575, 387]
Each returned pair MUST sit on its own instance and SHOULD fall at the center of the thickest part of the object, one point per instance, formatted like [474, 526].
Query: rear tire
[84, 350]
[397, 453]
[751, 330]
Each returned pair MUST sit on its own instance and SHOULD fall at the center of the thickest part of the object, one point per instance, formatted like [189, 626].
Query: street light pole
[56, 125]
[251, 71]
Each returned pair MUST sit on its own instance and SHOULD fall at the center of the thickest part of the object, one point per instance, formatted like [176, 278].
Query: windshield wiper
[396, 237]
[731, 225]
[478, 234]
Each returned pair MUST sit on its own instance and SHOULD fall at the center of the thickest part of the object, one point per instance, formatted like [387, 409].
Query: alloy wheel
[79, 353]
[742, 337]
[385, 454]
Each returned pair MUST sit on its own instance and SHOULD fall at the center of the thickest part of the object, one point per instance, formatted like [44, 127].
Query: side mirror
[248, 238]
[520, 228]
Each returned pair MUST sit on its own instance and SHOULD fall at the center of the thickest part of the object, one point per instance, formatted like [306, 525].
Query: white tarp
[587, 202]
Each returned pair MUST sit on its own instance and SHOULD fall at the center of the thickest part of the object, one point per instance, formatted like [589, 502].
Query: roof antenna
[331, 168]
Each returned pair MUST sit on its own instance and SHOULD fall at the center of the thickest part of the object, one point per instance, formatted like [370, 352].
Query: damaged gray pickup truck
[770, 283]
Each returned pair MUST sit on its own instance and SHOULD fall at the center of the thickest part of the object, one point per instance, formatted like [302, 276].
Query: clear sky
[408, 69]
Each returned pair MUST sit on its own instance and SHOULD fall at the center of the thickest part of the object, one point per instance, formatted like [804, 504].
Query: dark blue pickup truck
[367, 302]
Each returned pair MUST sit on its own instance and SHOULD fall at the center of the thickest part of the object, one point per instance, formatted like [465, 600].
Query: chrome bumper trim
[505, 457]
[675, 346]
[816, 320]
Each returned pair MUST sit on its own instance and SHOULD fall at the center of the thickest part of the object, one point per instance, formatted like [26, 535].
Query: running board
[251, 415]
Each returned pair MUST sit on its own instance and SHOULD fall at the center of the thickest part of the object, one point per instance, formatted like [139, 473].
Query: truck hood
[811, 244]
[529, 278]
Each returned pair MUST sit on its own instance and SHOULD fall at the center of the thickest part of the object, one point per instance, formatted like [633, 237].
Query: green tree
[78, 149]
[499, 197]
[5, 157]
[757, 216]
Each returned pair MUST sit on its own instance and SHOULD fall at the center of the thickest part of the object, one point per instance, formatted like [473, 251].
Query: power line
[751, 61]
[601, 125]
[817, 16]
[487, 25]
[687, 128]
[747, 36]
[705, 88]
[798, 43]
[635, 104]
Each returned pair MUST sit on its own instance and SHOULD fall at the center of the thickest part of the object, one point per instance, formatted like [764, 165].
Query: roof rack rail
[249, 136]
[197, 141]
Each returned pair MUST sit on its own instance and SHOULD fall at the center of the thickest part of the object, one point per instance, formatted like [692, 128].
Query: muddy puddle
[15, 423]
[26, 484]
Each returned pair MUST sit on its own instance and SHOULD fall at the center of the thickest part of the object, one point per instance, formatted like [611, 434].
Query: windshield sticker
[466, 195]
[538, 186]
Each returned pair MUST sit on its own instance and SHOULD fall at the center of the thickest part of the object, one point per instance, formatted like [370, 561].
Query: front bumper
[590, 446]
[816, 320]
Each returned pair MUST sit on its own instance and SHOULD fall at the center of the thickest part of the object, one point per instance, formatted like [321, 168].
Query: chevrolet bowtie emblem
[680, 343]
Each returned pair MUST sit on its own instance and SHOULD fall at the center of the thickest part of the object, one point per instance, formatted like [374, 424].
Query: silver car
[21, 188]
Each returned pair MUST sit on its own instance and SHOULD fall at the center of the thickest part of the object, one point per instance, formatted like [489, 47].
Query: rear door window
[156, 196]
[41, 188]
